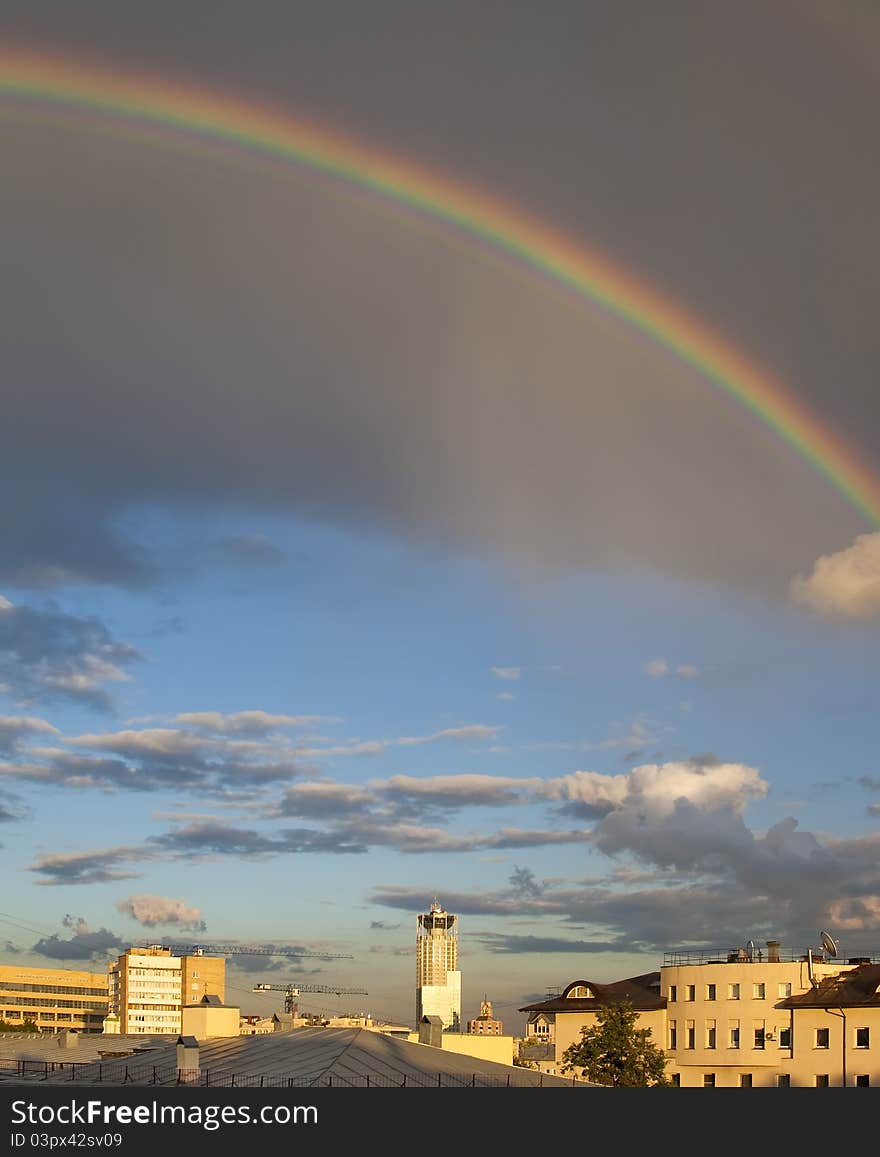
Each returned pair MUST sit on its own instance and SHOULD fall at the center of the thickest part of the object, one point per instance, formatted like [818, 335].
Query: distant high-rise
[438, 980]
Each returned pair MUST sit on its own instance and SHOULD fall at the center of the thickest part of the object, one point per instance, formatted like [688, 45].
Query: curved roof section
[638, 990]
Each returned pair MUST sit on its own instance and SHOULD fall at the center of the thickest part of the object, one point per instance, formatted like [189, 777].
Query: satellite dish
[829, 944]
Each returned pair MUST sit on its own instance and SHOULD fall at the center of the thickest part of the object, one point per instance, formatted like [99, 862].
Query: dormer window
[580, 992]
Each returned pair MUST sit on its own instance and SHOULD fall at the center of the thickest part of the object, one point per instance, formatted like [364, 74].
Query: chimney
[431, 1031]
[68, 1039]
[188, 1070]
[773, 951]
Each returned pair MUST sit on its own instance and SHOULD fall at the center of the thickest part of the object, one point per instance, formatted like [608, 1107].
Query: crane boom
[243, 949]
[294, 989]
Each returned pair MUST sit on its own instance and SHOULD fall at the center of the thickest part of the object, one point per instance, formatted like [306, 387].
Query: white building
[438, 979]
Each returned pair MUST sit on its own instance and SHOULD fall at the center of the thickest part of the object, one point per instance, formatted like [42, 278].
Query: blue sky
[341, 567]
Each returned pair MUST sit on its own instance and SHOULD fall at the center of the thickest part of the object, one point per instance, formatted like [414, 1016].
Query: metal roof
[308, 1056]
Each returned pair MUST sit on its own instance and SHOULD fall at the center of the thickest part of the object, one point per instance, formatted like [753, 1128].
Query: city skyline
[441, 462]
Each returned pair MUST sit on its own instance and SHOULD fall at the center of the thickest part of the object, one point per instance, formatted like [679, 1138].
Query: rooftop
[352, 1057]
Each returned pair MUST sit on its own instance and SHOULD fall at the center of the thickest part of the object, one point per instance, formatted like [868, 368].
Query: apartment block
[53, 998]
[148, 987]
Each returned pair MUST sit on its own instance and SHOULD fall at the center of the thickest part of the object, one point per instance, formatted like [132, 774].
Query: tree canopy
[614, 1052]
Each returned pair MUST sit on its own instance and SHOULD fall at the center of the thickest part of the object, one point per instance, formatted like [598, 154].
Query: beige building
[558, 1020]
[485, 1024]
[210, 1017]
[747, 1018]
[727, 1025]
[53, 998]
[148, 988]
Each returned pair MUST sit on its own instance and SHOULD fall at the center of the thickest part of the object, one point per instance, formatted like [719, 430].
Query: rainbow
[168, 105]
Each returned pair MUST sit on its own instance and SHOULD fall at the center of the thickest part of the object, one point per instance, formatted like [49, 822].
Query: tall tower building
[438, 980]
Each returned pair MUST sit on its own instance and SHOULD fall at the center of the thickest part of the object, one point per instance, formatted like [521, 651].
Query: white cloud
[257, 722]
[152, 910]
[687, 671]
[507, 672]
[5, 604]
[846, 583]
[657, 668]
[469, 731]
[505, 696]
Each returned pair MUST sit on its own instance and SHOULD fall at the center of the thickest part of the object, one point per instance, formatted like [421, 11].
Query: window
[690, 992]
[821, 1038]
[759, 1036]
[863, 1081]
[708, 1080]
[676, 1080]
[710, 1034]
[784, 990]
[673, 1034]
[745, 1080]
[785, 1038]
[579, 992]
[822, 1081]
[710, 992]
[690, 1042]
[783, 1081]
[673, 992]
[733, 992]
[863, 1038]
[758, 991]
[733, 1039]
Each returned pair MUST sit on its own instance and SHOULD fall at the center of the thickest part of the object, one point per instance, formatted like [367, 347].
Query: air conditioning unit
[769, 1036]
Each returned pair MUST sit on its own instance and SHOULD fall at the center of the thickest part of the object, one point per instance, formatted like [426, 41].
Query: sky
[351, 556]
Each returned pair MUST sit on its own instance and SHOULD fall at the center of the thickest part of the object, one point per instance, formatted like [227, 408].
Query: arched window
[579, 992]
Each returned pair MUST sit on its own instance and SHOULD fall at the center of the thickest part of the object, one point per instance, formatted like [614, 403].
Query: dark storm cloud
[516, 945]
[93, 867]
[217, 839]
[85, 944]
[153, 759]
[48, 655]
[357, 367]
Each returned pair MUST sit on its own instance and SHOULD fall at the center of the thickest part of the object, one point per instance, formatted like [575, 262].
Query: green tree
[614, 1052]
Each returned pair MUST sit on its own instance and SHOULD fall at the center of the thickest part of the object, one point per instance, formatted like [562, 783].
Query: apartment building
[53, 998]
[727, 1021]
[148, 987]
[747, 1018]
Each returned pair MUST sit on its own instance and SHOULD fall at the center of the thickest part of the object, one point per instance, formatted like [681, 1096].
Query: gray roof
[306, 1056]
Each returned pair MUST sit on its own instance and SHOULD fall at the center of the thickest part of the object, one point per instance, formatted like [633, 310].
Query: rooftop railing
[760, 955]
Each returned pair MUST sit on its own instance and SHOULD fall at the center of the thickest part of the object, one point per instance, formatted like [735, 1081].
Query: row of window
[16, 1014]
[821, 1037]
[67, 989]
[734, 991]
[783, 1080]
[43, 1002]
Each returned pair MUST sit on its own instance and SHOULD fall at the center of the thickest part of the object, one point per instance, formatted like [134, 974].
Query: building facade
[148, 987]
[54, 999]
[748, 1018]
[485, 1024]
[438, 979]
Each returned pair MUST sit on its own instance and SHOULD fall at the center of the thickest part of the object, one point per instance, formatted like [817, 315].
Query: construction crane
[242, 950]
[292, 990]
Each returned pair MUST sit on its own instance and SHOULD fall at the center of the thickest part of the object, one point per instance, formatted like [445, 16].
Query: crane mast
[293, 989]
